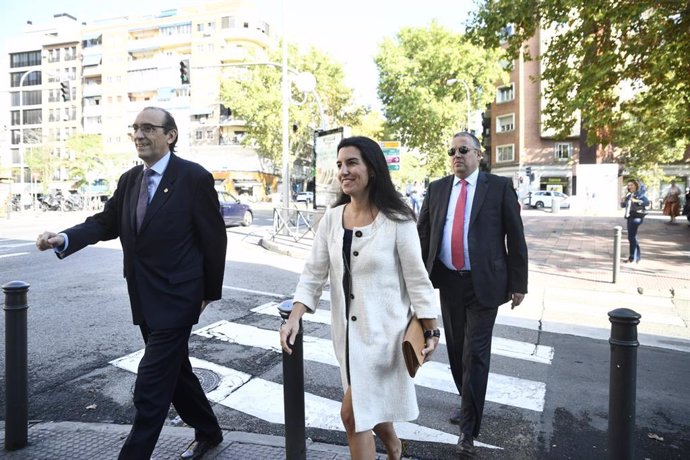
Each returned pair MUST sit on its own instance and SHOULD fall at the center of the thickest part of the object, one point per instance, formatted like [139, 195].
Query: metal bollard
[616, 252]
[623, 383]
[16, 374]
[293, 393]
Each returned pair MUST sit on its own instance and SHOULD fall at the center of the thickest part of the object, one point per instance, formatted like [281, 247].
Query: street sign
[391, 150]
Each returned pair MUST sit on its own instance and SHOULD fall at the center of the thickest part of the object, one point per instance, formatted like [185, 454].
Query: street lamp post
[22, 185]
[453, 81]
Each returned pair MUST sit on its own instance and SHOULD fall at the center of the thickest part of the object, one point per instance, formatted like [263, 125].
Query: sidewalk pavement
[99, 441]
[570, 291]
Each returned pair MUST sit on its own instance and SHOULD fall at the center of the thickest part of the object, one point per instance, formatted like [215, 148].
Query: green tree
[89, 160]
[254, 95]
[596, 54]
[422, 110]
[43, 163]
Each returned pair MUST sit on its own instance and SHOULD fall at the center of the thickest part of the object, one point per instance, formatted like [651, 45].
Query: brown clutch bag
[412, 346]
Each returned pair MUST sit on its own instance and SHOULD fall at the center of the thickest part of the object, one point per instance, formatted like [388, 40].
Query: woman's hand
[431, 344]
[290, 328]
[288, 331]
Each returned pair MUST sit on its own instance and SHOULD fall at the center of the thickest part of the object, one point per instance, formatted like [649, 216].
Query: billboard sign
[391, 150]
[326, 184]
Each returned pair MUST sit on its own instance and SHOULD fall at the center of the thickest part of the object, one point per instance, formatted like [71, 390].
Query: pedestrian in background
[686, 207]
[473, 245]
[368, 245]
[634, 202]
[672, 202]
[173, 238]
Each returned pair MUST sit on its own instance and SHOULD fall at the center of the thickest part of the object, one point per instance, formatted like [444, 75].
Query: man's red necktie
[457, 242]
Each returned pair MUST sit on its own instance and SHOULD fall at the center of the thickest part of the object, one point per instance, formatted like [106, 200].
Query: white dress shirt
[445, 254]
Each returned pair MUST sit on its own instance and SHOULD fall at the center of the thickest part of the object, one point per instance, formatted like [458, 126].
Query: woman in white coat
[368, 245]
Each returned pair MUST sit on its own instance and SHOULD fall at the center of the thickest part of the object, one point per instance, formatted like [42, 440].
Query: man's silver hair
[475, 142]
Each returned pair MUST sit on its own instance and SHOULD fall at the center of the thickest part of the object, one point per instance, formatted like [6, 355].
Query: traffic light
[184, 72]
[64, 90]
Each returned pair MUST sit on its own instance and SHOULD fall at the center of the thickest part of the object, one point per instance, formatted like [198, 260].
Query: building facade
[67, 78]
[520, 147]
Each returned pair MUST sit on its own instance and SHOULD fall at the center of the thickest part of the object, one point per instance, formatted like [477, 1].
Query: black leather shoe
[465, 446]
[456, 416]
[197, 449]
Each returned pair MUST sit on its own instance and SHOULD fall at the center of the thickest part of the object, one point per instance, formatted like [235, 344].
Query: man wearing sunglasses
[166, 214]
[474, 247]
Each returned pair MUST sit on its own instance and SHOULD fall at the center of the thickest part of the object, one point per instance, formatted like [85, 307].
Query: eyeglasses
[462, 149]
[145, 128]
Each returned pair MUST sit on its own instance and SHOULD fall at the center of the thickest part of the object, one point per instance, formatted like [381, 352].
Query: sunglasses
[462, 149]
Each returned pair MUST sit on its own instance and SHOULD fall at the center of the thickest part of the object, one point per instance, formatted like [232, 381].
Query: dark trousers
[164, 376]
[468, 328]
[633, 224]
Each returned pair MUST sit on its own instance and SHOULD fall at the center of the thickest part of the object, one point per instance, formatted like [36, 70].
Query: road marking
[499, 346]
[16, 245]
[264, 399]
[501, 389]
[14, 254]
[251, 291]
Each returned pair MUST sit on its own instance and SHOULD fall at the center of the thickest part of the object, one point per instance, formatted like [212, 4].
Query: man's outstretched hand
[49, 240]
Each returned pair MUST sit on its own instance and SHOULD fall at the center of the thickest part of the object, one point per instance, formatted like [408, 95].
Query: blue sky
[349, 31]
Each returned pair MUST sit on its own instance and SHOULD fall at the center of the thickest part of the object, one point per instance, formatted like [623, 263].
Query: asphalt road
[79, 322]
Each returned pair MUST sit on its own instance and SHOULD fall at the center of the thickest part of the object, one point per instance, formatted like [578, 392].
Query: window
[32, 78]
[505, 94]
[505, 123]
[26, 59]
[15, 117]
[32, 117]
[32, 97]
[505, 153]
[563, 150]
[227, 22]
[199, 134]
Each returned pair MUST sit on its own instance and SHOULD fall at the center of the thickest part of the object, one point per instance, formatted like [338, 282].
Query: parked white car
[543, 199]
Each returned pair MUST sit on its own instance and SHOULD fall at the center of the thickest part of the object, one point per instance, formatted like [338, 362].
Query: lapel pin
[165, 190]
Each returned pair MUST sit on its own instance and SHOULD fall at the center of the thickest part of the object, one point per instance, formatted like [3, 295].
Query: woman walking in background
[672, 202]
[635, 202]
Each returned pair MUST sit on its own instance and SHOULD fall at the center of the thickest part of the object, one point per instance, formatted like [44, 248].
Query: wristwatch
[432, 333]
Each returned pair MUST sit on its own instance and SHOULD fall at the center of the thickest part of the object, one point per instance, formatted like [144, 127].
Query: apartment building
[521, 148]
[113, 68]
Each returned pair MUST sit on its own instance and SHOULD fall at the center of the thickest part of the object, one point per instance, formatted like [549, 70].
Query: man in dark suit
[474, 248]
[167, 217]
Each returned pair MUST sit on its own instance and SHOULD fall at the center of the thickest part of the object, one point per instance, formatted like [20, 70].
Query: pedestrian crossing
[263, 399]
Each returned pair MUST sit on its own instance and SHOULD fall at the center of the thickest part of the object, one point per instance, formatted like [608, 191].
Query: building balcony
[157, 42]
[92, 90]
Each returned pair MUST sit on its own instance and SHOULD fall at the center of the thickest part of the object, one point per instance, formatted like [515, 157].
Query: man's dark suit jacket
[496, 241]
[178, 257]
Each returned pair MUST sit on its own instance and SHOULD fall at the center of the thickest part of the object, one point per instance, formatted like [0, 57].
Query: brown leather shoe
[455, 416]
[465, 446]
[197, 449]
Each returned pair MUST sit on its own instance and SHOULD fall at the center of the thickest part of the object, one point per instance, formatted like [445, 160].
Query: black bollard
[16, 374]
[623, 383]
[293, 393]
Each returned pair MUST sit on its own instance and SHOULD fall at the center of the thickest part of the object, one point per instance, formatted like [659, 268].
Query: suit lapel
[163, 192]
[479, 195]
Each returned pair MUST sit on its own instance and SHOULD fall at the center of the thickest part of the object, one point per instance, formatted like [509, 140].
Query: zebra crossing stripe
[264, 399]
[499, 346]
[501, 389]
